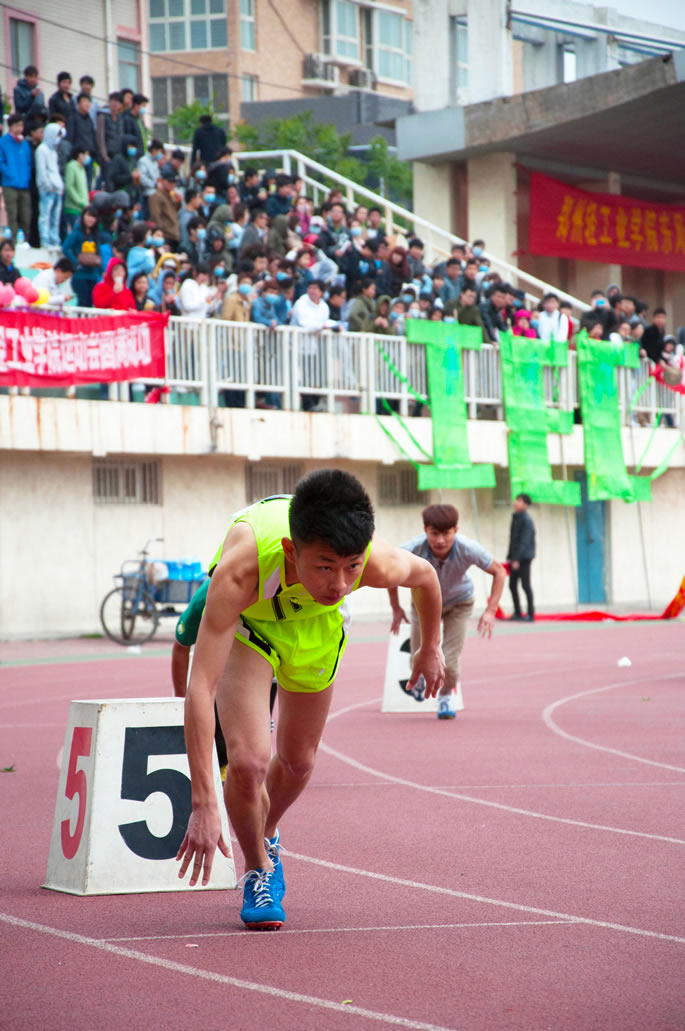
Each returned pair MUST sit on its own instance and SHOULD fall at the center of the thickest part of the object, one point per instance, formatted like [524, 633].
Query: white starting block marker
[397, 673]
[124, 800]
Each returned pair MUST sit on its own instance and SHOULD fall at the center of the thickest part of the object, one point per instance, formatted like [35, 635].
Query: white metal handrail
[242, 364]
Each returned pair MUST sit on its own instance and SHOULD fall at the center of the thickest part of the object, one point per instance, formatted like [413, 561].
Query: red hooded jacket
[104, 295]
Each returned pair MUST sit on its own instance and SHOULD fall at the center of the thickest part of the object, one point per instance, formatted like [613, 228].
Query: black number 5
[137, 784]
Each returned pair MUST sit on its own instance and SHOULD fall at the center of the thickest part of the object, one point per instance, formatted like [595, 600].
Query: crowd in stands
[131, 225]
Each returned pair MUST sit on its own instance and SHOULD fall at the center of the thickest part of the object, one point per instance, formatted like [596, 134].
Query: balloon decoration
[6, 295]
[43, 296]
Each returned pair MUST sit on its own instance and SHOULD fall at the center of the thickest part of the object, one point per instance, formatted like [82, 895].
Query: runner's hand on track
[200, 841]
[486, 623]
[430, 662]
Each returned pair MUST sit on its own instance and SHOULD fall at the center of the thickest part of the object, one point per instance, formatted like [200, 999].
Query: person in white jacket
[552, 323]
[50, 186]
[148, 166]
[198, 298]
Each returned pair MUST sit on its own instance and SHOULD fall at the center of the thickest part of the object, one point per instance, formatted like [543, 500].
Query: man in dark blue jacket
[521, 553]
[29, 100]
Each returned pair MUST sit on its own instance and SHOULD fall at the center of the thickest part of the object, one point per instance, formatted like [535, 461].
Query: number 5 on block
[123, 800]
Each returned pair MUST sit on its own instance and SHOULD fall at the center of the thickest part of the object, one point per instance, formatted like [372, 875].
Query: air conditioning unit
[318, 68]
[363, 78]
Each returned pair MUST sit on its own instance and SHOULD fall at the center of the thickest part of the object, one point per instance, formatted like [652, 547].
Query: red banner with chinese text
[38, 350]
[566, 222]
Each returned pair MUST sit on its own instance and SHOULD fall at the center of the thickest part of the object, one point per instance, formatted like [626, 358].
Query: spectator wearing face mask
[112, 292]
[122, 171]
[141, 257]
[208, 202]
[196, 235]
[256, 232]
[148, 166]
[236, 306]
[216, 247]
[221, 173]
[164, 205]
[134, 126]
[81, 130]
[266, 309]
[280, 202]
[478, 248]
[110, 130]
[50, 187]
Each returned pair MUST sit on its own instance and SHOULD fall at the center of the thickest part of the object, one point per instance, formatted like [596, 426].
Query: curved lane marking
[556, 729]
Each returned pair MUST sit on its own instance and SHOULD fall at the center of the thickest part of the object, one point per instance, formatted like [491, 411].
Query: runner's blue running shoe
[273, 851]
[262, 910]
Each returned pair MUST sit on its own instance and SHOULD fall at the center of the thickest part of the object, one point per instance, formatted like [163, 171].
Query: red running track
[518, 868]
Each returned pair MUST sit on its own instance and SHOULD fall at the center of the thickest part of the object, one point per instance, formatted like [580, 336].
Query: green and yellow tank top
[277, 601]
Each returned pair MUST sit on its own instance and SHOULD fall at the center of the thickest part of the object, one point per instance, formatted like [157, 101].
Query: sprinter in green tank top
[277, 605]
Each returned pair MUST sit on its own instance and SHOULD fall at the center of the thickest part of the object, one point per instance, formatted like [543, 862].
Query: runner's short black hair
[440, 517]
[331, 506]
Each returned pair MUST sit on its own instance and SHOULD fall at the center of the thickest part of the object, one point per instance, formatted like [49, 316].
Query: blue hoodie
[16, 162]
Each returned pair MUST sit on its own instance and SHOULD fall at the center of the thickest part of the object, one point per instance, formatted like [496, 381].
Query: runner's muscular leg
[301, 719]
[243, 703]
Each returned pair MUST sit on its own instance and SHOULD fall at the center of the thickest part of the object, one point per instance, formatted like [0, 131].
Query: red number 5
[76, 785]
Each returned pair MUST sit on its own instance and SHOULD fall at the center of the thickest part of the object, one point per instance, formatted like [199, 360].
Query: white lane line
[452, 892]
[514, 787]
[224, 979]
[556, 729]
[343, 930]
[494, 805]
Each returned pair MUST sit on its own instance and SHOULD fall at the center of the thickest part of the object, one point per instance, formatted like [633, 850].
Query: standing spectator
[16, 166]
[195, 241]
[110, 130]
[76, 186]
[208, 140]
[164, 205]
[363, 307]
[81, 131]
[62, 102]
[122, 171]
[491, 311]
[34, 130]
[256, 232]
[198, 298]
[134, 125]
[148, 166]
[311, 312]
[221, 172]
[417, 269]
[469, 277]
[552, 325]
[252, 194]
[374, 229]
[236, 306]
[29, 100]
[112, 292]
[335, 239]
[652, 342]
[141, 257]
[453, 281]
[280, 202]
[86, 84]
[83, 248]
[57, 281]
[521, 553]
[465, 309]
[126, 99]
[193, 204]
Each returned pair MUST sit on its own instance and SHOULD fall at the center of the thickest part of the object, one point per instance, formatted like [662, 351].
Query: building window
[340, 21]
[263, 480]
[128, 56]
[459, 50]
[398, 485]
[168, 94]
[187, 25]
[393, 35]
[567, 63]
[249, 88]
[127, 483]
[247, 25]
[22, 44]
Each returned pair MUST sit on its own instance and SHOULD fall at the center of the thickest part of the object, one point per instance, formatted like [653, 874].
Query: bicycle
[128, 612]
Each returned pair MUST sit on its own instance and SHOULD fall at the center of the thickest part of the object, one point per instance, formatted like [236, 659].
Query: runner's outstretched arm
[391, 568]
[233, 589]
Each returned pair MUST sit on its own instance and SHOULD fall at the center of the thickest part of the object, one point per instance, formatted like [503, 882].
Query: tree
[321, 142]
